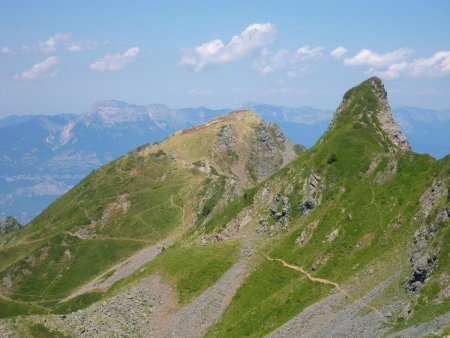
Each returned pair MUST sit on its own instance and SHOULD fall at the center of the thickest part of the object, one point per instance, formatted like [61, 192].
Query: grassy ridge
[378, 233]
[57, 262]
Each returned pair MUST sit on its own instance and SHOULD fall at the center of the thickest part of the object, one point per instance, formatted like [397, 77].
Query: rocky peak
[378, 87]
[385, 118]
[367, 103]
[9, 224]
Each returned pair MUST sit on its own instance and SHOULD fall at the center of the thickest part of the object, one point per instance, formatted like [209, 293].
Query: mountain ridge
[354, 212]
[51, 156]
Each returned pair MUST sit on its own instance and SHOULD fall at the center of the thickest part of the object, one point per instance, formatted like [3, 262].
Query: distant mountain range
[41, 157]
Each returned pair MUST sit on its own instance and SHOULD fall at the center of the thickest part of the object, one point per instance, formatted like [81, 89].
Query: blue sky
[61, 56]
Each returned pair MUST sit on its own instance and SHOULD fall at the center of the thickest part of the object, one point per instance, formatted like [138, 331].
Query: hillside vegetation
[155, 192]
[357, 216]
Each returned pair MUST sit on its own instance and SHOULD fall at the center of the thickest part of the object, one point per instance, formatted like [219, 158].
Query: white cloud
[338, 52]
[6, 51]
[115, 61]
[291, 62]
[268, 61]
[52, 44]
[306, 52]
[39, 70]
[215, 51]
[82, 45]
[368, 58]
[435, 66]
[391, 72]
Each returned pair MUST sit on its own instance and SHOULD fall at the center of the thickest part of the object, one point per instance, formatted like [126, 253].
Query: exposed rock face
[423, 258]
[9, 224]
[387, 123]
[310, 189]
[280, 207]
[389, 128]
[231, 229]
[226, 137]
[271, 151]
[388, 172]
[429, 198]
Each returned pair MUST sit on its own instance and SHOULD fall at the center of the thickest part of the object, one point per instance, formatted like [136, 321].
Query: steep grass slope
[154, 192]
[359, 208]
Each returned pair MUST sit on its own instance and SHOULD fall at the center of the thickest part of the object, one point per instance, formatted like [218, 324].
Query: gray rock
[405, 313]
[307, 205]
[9, 224]
[283, 201]
[387, 122]
[423, 257]
[332, 235]
[226, 137]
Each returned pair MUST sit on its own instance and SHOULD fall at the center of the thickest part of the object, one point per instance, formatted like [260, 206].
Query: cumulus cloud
[39, 70]
[215, 51]
[338, 52]
[53, 44]
[269, 61]
[293, 63]
[368, 58]
[433, 66]
[306, 52]
[112, 62]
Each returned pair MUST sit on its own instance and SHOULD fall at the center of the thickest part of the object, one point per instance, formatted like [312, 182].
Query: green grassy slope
[368, 196]
[376, 220]
[133, 202]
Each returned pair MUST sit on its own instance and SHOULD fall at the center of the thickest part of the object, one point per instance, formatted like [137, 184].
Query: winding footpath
[328, 282]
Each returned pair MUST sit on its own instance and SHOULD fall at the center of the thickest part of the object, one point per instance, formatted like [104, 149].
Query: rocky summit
[227, 229]
[9, 224]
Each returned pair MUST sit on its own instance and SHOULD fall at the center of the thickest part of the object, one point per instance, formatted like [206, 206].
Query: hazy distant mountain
[428, 130]
[42, 157]
[303, 125]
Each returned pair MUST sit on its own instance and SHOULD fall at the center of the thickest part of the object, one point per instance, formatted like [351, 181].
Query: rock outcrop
[388, 129]
[387, 123]
[9, 224]
[279, 208]
[311, 194]
[424, 257]
[271, 151]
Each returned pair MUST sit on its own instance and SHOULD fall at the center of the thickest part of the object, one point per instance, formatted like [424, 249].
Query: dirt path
[328, 282]
[122, 269]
